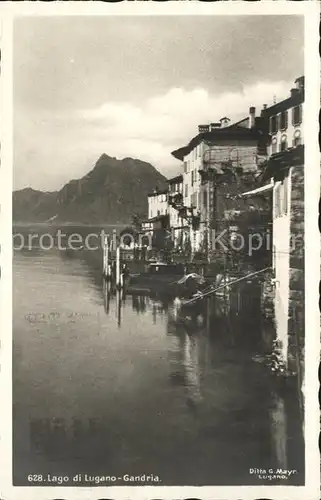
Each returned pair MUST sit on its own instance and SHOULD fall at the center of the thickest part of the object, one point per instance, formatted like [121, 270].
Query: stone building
[178, 225]
[157, 203]
[218, 162]
[283, 176]
[286, 169]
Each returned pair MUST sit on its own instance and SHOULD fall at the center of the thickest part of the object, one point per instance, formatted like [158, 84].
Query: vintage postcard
[160, 251]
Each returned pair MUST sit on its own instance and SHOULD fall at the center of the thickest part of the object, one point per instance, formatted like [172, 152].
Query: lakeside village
[235, 214]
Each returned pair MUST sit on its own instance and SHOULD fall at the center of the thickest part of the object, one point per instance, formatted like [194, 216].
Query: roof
[290, 102]
[226, 133]
[175, 180]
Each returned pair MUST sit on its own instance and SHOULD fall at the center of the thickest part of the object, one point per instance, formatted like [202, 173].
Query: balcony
[175, 199]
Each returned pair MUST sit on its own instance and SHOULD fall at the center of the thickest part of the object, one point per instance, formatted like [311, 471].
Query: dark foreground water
[120, 388]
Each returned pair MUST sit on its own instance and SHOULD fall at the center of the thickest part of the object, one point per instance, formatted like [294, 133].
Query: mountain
[110, 193]
[30, 205]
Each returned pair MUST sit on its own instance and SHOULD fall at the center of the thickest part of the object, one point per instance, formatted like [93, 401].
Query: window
[274, 145]
[200, 150]
[186, 190]
[185, 167]
[297, 115]
[273, 124]
[192, 181]
[158, 212]
[283, 120]
[297, 138]
[284, 143]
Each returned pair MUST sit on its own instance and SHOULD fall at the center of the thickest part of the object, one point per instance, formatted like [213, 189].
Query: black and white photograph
[160, 254]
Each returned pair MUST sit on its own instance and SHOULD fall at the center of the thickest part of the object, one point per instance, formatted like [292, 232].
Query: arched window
[274, 145]
[284, 143]
[297, 138]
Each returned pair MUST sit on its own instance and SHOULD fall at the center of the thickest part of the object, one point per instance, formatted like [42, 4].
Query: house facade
[157, 203]
[214, 163]
[285, 120]
[286, 169]
[284, 176]
[178, 225]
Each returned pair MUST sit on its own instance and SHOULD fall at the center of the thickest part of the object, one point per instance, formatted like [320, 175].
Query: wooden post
[107, 257]
[118, 273]
[104, 256]
[106, 263]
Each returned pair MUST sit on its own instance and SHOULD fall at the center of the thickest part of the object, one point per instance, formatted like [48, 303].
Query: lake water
[119, 386]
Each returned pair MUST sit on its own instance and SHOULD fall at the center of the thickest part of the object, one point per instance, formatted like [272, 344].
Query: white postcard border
[311, 11]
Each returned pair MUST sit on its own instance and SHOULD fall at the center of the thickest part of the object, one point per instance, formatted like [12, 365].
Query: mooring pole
[107, 257]
[106, 265]
[104, 257]
[118, 274]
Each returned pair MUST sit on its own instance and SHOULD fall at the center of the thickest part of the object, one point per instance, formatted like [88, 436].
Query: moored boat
[158, 276]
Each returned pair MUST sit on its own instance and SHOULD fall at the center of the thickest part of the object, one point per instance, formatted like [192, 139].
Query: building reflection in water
[186, 331]
[140, 303]
[190, 337]
[107, 295]
[279, 430]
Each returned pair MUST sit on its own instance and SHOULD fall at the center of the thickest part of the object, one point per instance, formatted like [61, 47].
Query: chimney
[294, 92]
[263, 109]
[252, 117]
[214, 126]
[299, 83]
[225, 121]
[203, 128]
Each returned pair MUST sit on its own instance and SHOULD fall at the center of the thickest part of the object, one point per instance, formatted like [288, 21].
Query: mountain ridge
[111, 192]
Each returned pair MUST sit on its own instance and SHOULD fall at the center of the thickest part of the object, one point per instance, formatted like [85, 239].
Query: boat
[158, 276]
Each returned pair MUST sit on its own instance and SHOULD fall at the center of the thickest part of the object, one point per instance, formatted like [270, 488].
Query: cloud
[59, 146]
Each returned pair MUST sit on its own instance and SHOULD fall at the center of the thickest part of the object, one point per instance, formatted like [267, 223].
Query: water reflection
[165, 388]
[279, 430]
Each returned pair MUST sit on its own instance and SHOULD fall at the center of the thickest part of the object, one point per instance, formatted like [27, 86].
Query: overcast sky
[138, 86]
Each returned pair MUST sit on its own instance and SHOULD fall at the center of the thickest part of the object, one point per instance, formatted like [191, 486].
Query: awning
[259, 190]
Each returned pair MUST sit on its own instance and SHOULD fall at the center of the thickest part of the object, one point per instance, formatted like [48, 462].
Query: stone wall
[296, 333]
